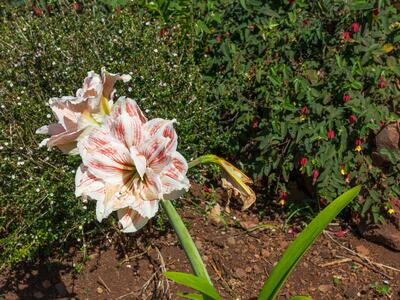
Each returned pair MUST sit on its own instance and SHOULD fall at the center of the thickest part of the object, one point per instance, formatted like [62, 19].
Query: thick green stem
[204, 159]
[186, 241]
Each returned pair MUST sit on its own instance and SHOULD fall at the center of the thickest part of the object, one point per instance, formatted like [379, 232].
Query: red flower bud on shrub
[346, 98]
[346, 35]
[322, 201]
[358, 142]
[75, 6]
[306, 22]
[330, 134]
[304, 110]
[37, 11]
[255, 123]
[347, 178]
[382, 123]
[352, 119]
[163, 32]
[355, 27]
[314, 175]
[381, 82]
[303, 161]
[375, 11]
[49, 8]
[283, 195]
[218, 39]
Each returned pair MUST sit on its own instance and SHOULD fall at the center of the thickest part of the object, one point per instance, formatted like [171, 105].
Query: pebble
[231, 241]
[46, 284]
[99, 290]
[264, 253]
[248, 270]
[38, 295]
[324, 288]
[240, 273]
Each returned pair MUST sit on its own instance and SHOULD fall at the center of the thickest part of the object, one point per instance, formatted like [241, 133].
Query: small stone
[324, 288]
[258, 269]
[61, 290]
[231, 241]
[362, 250]
[99, 290]
[46, 284]
[198, 244]
[240, 273]
[38, 295]
[264, 253]
[350, 293]
[248, 270]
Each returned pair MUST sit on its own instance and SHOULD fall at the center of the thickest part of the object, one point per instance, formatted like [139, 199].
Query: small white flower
[6, 144]
[80, 227]
[48, 116]
[175, 54]
[84, 207]
[19, 103]
[38, 190]
[129, 89]
[78, 239]
[120, 31]
[155, 50]
[53, 63]
[147, 23]
[147, 110]
[12, 176]
[11, 84]
[1, 147]
[2, 106]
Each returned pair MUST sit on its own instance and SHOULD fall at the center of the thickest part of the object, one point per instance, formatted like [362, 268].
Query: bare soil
[238, 261]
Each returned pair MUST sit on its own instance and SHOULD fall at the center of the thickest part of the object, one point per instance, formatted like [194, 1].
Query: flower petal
[173, 178]
[109, 80]
[130, 220]
[106, 157]
[139, 161]
[165, 129]
[129, 106]
[88, 184]
[127, 129]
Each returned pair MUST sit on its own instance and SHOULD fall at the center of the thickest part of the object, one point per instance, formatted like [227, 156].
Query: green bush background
[234, 74]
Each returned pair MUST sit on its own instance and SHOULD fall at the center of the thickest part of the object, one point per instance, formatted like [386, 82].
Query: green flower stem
[186, 241]
[204, 159]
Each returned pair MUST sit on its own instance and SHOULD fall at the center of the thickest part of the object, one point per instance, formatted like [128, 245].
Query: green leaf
[300, 298]
[297, 249]
[194, 282]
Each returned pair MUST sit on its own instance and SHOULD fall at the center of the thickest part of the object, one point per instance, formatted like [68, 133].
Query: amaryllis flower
[76, 115]
[346, 98]
[355, 27]
[129, 164]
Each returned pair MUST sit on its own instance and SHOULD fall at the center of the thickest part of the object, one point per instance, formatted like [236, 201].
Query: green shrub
[303, 87]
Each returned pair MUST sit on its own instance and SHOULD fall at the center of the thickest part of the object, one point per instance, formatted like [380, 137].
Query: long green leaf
[194, 282]
[192, 296]
[297, 249]
[186, 241]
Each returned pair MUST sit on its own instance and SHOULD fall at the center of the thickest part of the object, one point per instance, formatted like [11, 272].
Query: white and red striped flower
[129, 164]
[76, 115]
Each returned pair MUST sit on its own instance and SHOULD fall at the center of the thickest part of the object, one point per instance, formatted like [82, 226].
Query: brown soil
[238, 262]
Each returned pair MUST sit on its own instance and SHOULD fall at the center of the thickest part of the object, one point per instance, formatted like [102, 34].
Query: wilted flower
[346, 35]
[352, 119]
[233, 180]
[346, 98]
[129, 164]
[330, 134]
[355, 27]
[77, 115]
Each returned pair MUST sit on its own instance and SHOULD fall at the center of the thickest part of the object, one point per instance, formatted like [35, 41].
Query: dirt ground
[339, 265]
